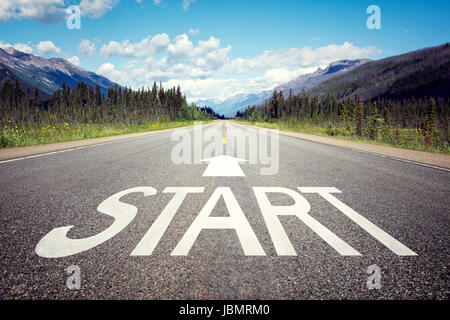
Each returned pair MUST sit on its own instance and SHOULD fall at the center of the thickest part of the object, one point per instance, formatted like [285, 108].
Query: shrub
[386, 132]
[373, 125]
[332, 131]
[5, 141]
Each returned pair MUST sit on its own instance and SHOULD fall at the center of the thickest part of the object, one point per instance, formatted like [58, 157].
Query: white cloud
[51, 11]
[193, 31]
[187, 3]
[221, 89]
[205, 47]
[218, 58]
[86, 47]
[18, 46]
[23, 47]
[106, 69]
[46, 11]
[47, 47]
[181, 47]
[54, 11]
[109, 70]
[160, 41]
[295, 57]
[74, 60]
[146, 47]
[205, 70]
[96, 8]
[43, 48]
[207, 55]
[131, 64]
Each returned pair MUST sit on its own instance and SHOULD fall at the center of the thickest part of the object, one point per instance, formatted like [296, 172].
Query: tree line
[372, 119]
[87, 104]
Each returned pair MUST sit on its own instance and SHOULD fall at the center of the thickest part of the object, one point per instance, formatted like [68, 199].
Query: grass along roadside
[13, 135]
[407, 138]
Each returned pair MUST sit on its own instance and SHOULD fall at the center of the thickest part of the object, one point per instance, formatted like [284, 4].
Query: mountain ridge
[419, 73]
[47, 75]
[240, 101]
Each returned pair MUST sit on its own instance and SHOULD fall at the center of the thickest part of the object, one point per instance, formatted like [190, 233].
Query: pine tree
[359, 119]
[274, 106]
[431, 131]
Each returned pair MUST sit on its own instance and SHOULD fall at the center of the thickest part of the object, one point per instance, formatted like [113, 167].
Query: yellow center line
[224, 139]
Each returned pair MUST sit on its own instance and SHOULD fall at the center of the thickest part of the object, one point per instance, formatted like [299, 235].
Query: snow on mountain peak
[48, 74]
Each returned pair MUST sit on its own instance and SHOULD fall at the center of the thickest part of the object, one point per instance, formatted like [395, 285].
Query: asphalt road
[407, 201]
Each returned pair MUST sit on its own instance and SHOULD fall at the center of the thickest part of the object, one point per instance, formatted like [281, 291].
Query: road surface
[395, 218]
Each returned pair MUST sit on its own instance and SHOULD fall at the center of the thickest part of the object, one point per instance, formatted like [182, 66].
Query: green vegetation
[15, 136]
[84, 112]
[408, 138]
[413, 124]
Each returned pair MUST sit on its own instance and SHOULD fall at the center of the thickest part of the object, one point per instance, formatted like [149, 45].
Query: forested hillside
[421, 73]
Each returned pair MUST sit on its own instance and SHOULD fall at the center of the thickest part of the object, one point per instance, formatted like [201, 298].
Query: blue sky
[245, 46]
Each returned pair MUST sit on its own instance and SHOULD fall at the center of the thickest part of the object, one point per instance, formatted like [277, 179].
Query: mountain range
[424, 72]
[230, 106]
[47, 75]
[420, 73]
[238, 102]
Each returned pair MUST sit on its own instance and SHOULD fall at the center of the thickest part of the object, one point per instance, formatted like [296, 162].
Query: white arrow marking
[223, 166]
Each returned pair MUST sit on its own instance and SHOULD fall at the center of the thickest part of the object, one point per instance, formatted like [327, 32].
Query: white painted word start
[56, 244]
